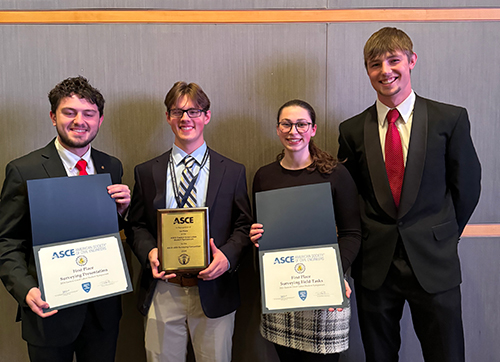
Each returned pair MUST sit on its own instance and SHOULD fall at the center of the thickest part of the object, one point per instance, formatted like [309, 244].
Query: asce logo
[283, 260]
[63, 253]
[183, 220]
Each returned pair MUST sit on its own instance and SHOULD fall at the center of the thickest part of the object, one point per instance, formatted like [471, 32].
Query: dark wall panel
[454, 65]
[248, 71]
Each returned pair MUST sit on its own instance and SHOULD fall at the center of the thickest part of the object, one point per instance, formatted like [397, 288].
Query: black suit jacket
[229, 218]
[441, 188]
[17, 266]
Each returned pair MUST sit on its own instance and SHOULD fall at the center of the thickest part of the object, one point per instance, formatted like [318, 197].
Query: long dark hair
[322, 161]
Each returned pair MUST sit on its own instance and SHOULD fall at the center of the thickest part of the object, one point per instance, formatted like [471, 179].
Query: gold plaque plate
[183, 240]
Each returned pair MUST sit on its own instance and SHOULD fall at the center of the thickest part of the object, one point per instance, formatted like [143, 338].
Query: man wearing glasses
[190, 175]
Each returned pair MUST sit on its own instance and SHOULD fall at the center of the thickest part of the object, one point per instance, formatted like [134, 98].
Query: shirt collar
[178, 154]
[405, 109]
[69, 158]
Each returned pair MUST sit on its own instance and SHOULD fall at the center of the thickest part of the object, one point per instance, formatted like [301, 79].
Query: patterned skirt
[315, 331]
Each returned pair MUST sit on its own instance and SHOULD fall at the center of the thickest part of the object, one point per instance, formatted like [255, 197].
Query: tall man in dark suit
[418, 176]
[89, 330]
[204, 305]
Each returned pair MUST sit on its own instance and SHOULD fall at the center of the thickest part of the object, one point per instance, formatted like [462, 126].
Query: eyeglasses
[179, 113]
[301, 127]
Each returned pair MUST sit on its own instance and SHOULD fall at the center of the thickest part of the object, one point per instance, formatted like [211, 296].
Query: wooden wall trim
[248, 16]
[481, 231]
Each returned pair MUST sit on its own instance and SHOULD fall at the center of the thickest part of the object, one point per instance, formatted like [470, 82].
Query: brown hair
[322, 161]
[192, 91]
[387, 40]
[78, 86]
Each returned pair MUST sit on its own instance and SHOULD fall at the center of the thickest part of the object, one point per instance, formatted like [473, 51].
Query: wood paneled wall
[249, 70]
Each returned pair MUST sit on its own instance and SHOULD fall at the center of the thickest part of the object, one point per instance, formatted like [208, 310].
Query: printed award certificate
[299, 255]
[81, 271]
[77, 247]
[302, 278]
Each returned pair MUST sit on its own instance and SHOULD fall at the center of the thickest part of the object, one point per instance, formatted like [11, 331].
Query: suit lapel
[52, 162]
[159, 171]
[416, 157]
[376, 165]
[101, 164]
[217, 170]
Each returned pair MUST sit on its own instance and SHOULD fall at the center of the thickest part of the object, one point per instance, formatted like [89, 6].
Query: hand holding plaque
[183, 240]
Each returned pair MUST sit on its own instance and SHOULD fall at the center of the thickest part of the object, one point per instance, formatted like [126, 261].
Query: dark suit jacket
[441, 188]
[229, 219]
[17, 266]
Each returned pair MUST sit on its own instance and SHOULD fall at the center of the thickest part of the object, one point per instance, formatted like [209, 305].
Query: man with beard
[90, 330]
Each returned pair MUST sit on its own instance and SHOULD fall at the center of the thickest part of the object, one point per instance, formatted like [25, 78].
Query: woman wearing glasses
[312, 335]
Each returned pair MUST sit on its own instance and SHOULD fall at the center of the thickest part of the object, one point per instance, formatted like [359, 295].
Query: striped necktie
[186, 181]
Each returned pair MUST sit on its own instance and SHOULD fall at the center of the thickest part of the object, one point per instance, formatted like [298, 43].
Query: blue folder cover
[296, 217]
[69, 208]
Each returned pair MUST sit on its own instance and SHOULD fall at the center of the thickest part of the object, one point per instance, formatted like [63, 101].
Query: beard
[69, 142]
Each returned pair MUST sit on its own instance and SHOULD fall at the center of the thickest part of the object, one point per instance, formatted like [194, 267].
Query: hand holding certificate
[304, 278]
[300, 267]
[76, 243]
[80, 271]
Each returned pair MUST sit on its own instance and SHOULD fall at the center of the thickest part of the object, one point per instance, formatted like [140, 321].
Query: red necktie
[81, 165]
[394, 163]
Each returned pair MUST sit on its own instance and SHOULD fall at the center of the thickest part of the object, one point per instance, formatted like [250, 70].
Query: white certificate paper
[77, 272]
[302, 278]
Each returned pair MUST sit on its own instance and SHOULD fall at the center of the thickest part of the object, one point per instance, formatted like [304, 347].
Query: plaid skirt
[315, 331]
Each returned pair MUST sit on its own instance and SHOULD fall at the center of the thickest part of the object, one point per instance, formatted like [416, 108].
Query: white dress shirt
[69, 160]
[403, 123]
[202, 181]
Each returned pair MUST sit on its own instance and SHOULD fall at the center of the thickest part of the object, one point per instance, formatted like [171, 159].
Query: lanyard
[181, 201]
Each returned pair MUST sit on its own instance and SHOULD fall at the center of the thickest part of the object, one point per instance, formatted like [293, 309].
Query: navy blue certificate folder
[296, 217]
[69, 208]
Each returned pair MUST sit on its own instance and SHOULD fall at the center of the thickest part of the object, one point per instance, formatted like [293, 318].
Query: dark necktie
[81, 165]
[394, 163]
[186, 180]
